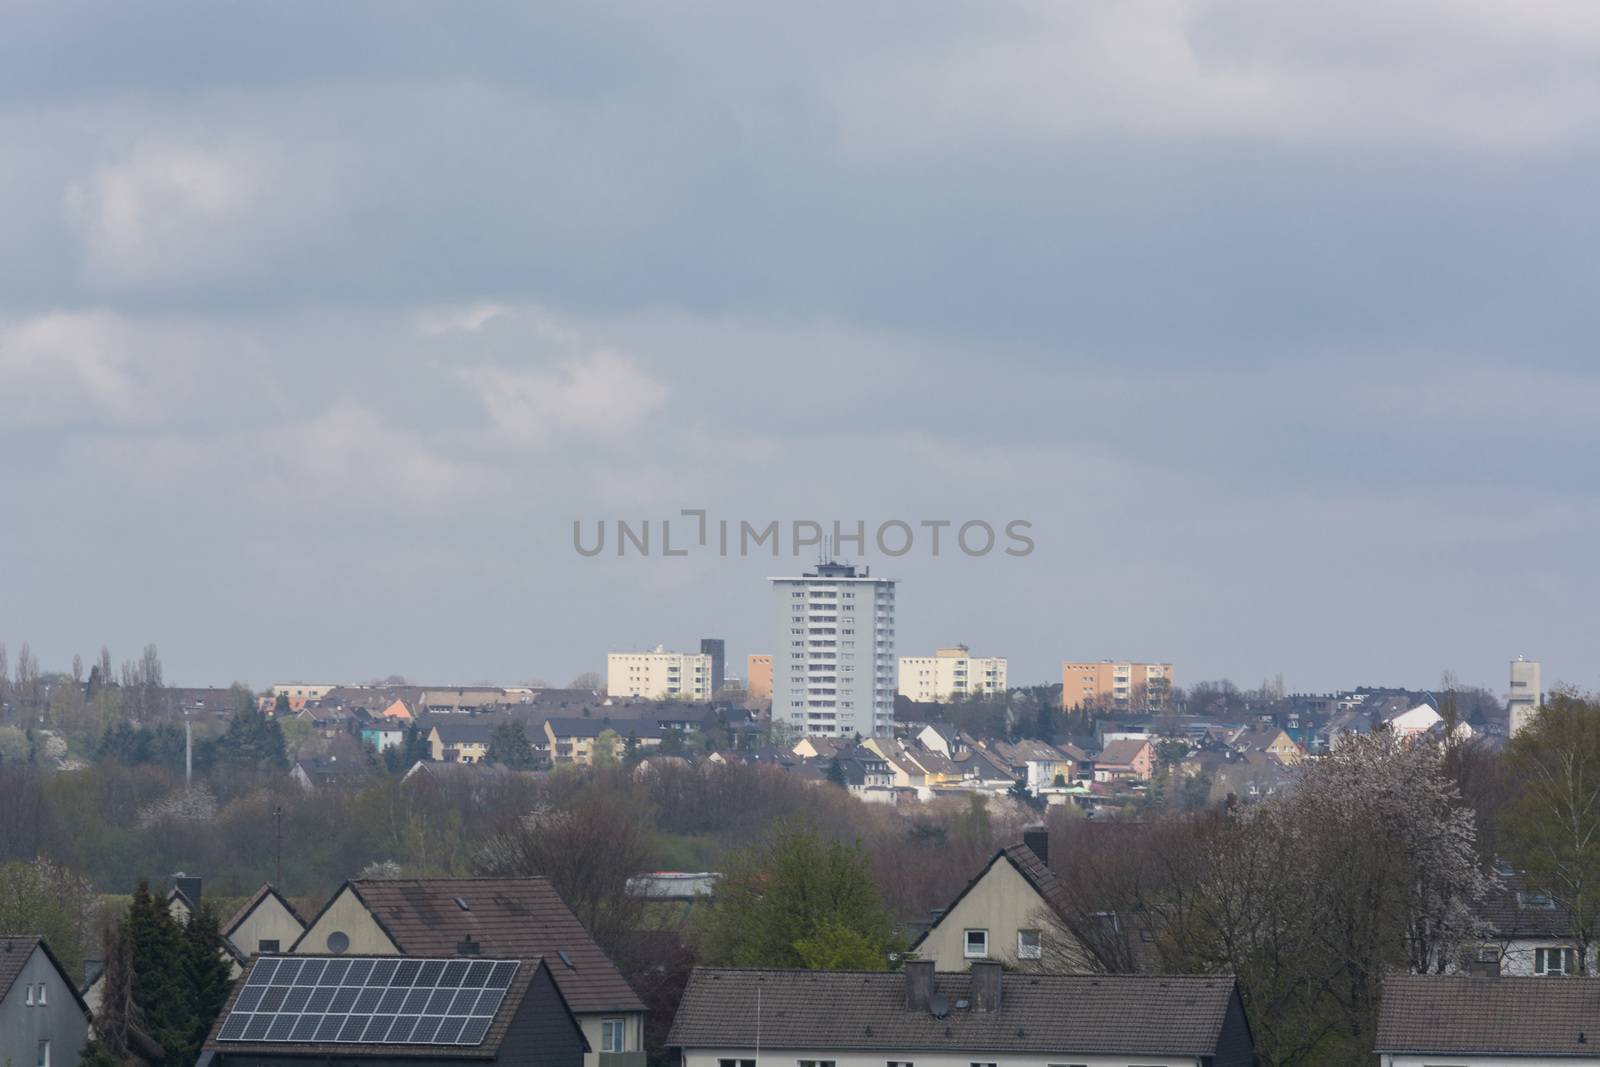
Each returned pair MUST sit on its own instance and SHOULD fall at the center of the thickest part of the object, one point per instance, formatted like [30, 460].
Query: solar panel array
[369, 1001]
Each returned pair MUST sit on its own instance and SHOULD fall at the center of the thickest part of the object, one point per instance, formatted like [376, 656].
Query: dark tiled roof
[14, 953]
[569, 727]
[1516, 914]
[848, 1010]
[486, 1051]
[1510, 1016]
[516, 918]
[465, 733]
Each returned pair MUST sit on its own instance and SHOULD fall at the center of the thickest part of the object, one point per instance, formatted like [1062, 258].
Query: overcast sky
[320, 324]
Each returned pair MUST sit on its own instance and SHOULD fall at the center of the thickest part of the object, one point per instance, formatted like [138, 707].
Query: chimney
[986, 985]
[919, 984]
[1037, 838]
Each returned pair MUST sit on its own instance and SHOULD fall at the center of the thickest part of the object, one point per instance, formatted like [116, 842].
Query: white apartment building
[1527, 693]
[659, 675]
[950, 674]
[833, 652]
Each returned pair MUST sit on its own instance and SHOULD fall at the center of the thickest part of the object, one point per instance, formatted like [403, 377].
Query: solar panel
[369, 1001]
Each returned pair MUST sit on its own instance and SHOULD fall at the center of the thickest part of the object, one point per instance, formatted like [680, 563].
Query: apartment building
[1110, 684]
[758, 678]
[1527, 693]
[659, 675]
[833, 653]
[951, 673]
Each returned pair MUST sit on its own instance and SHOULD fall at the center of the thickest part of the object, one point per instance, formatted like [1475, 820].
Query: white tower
[833, 662]
[1526, 694]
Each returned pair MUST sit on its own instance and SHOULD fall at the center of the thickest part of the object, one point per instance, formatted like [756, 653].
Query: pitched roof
[1120, 753]
[571, 727]
[1033, 870]
[854, 1010]
[16, 950]
[465, 733]
[253, 903]
[517, 918]
[1457, 1014]
[1517, 911]
[487, 1050]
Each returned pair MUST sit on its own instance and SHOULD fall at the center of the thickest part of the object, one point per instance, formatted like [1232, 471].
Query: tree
[836, 773]
[796, 899]
[281, 708]
[604, 751]
[252, 741]
[205, 969]
[586, 680]
[159, 988]
[509, 747]
[1552, 830]
[45, 898]
[589, 848]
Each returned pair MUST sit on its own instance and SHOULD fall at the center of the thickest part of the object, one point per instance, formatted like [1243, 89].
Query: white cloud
[469, 319]
[175, 212]
[1479, 76]
[89, 366]
[601, 393]
[350, 452]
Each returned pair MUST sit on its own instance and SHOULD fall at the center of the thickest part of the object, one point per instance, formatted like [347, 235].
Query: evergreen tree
[836, 773]
[253, 741]
[159, 988]
[205, 973]
[509, 747]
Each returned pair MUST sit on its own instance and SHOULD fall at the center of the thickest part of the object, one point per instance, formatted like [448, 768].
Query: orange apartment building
[758, 678]
[1108, 684]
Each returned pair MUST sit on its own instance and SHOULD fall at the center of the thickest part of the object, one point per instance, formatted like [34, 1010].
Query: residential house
[383, 733]
[398, 710]
[1004, 913]
[1530, 935]
[945, 739]
[1467, 1021]
[822, 747]
[981, 1017]
[461, 741]
[1034, 763]
[573, 740]
[266, 923]
[44, 1022]
[1268, 740]
[1125, 760]
[329, 772]
[515, 918]
[434, 1011]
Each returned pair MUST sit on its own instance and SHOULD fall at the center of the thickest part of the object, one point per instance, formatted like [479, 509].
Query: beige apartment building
[659, 675]
[1108, 684]
[951, 674]
[758, 678]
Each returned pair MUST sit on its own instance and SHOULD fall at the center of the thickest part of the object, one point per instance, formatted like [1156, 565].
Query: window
[984, 1065]
[267, 944]
[1028, 945]
[612, 1037]
[977, 946]
[1555, 961]
[42, 1000]
[44, 1054]
[29, 1001]
[736, 1063]
[898, 1063]
[816, 1063]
